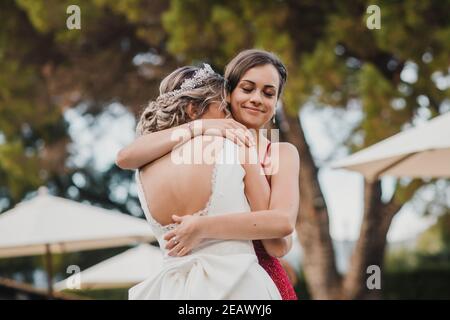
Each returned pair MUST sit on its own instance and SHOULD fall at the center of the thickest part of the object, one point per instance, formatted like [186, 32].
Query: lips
[253, 109]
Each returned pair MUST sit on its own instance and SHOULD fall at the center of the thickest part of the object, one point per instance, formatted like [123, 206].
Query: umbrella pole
[48, 262]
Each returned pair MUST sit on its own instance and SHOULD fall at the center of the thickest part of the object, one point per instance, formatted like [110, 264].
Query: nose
[256, 98]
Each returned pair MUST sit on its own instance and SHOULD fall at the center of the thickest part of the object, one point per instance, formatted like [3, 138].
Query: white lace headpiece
[197, 80]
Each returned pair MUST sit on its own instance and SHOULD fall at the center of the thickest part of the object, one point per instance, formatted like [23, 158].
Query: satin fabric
[217, 269]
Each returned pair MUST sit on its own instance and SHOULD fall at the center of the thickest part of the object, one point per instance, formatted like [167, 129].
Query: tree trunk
[371, 244]
[312, 226]
[323, 280]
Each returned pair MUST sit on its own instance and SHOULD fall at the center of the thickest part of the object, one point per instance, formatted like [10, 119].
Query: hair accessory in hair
[197, 79]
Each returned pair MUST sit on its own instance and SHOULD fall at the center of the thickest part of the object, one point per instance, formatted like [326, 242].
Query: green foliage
[101, 294]
[46, 68]
[39, 15]
[331, 55]
[420, 270]
[18, 170]
[436, 240]
[405, 192]
[420, 283]
[417, 284]
[401, 260]
[377, 93]
[431, 250]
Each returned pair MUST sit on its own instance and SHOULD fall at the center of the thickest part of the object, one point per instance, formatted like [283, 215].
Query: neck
[261, 141]
[260, 136]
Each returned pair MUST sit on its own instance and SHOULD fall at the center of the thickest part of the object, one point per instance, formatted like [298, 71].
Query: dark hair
[248, 59]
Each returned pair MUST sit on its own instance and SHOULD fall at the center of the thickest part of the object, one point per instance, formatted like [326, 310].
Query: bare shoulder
[286, 151]
[283, 158]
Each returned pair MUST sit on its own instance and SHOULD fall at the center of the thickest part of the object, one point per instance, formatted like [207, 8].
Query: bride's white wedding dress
[217, 269]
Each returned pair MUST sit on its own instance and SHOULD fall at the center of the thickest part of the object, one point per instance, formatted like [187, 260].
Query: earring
[273, 118]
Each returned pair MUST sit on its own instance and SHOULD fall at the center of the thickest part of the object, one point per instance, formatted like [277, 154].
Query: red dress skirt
[276, 271]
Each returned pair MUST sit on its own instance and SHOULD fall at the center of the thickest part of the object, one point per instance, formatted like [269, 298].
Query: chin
[252, 123]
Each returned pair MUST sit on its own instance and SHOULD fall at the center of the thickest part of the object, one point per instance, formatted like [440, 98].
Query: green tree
[46, 68]
[332, 57]
[435, 242]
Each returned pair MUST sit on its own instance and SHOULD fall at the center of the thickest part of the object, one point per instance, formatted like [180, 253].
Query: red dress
[273, 266]
[276, 271]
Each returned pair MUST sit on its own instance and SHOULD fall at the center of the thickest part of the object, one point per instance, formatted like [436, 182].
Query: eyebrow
[267, 85]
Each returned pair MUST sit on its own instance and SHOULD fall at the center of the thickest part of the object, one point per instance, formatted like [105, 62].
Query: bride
[214, 269]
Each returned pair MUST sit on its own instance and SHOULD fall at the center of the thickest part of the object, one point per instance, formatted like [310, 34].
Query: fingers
[178, 251]
[177, 219]
[174, 252]
[232, 130]
[171, 243]
[183, 252]
[176, 248]
[250, 138]
[242, 130]
[169, 235]
[243, 138]
[234, 136]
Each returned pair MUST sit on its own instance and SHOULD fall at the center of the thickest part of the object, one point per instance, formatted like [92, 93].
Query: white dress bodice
[216, 269]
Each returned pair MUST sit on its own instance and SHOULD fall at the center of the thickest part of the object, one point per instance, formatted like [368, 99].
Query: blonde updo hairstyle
[171, 110]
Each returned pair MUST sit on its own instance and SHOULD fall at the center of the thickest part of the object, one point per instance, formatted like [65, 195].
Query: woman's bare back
[180, 182]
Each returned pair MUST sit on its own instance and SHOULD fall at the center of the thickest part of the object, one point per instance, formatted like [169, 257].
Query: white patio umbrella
[47, 224]
[121, 271]
[419, 152]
